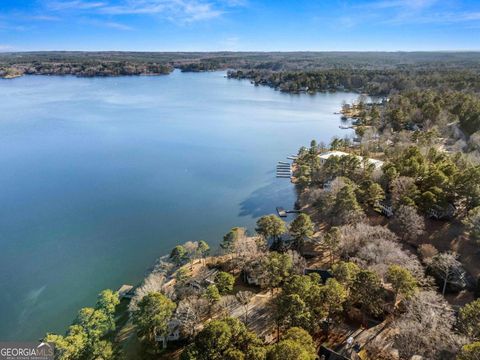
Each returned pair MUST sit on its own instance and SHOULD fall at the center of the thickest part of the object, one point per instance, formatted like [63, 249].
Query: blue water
[101, 176]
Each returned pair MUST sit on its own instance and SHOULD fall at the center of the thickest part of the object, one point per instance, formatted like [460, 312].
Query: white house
[173, 333]
[324, 156]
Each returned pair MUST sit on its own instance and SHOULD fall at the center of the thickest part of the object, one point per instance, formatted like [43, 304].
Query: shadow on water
[265, 199]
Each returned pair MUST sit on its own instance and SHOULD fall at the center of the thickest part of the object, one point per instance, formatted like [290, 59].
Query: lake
[101, 176]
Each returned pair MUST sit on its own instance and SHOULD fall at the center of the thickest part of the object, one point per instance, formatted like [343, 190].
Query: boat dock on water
[281, 212]
[284, 169]
[284, 213]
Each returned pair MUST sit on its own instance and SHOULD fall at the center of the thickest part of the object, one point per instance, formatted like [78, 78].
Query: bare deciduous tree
[379, 254]
[298, 262]
[310, 196]
[425, 328]
[427, 252]
[244, 297]
[445, 264]
[153, 282]
[403, 190]
[249, 247]
[227, 304]
[377, 248]
[354, 237]
[246, 249]
[379, 349]
[189, 313]
[192, 251]
[407, 223]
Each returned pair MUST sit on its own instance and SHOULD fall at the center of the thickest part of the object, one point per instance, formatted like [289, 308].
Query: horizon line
[245, 51]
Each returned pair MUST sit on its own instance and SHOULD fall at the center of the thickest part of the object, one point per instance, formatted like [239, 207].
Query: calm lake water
[101, 176]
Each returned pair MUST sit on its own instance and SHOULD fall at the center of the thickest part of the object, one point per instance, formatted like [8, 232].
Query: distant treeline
[84, 68]
[290, 71]
[372, 82]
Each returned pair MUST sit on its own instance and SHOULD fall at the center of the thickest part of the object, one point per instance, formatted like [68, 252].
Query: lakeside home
[326, 155]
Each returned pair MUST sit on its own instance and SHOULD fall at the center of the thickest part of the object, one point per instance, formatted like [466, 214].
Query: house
[202, 280]
[329, 354]
[173, 333]
[208, 277]
[194, 284]
[327, 186]
[252, 273]
[324, 274]
[384, 208]
[326, 155]
[438, 213]
[413, 127]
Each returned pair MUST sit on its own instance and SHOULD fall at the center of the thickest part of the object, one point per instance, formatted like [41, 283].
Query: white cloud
[6, 48]
[74, 5]
[436, 18]
[43, 18]
[471, 16]
[182, 11]
[175, 10]
[105, 24]
[116, 25]
[12, 27]
[409, 4]
[398, 12]
[235, 3]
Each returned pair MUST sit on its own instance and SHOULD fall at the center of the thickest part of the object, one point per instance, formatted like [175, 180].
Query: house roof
[330, 354]
[327, 154]
[324, 274]
[377, 163]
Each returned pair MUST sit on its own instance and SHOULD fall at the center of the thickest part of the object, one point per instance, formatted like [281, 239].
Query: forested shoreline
[372, 82]
[259, 66]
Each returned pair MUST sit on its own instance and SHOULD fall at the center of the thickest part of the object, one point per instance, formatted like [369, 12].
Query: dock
[281, 212]
[284, 169]
[126, 292]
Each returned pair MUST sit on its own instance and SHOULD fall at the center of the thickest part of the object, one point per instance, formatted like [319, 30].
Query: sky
[239, 25]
